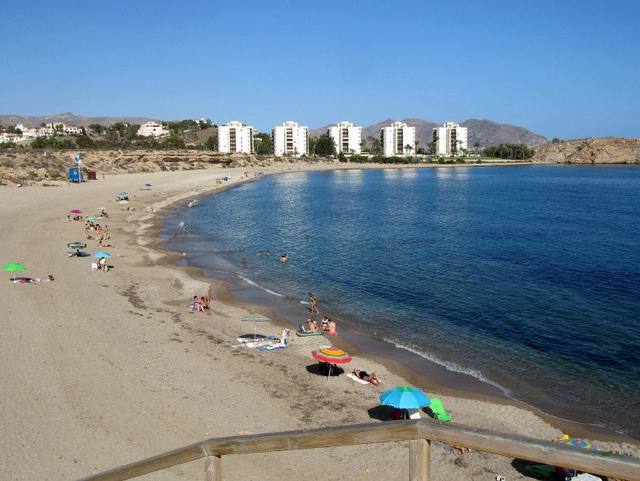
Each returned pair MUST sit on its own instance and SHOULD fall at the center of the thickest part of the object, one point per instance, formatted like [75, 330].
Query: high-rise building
[398, 139]
[346, 138]
[235, 137]
[290, 139]
[450, 139]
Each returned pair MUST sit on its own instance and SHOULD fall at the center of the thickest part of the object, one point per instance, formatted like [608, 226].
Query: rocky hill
[50, 168]
[609, 150]
[486, 133]
[483, 132]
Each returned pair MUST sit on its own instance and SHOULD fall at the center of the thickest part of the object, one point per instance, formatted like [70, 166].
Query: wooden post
[420, 460]
[213, 468]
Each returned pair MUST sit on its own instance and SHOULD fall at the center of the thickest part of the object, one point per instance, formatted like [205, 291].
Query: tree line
[509, 151]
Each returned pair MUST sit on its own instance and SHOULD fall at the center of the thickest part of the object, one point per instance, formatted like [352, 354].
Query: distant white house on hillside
[290, 139]
[235, 137]
[450, 139]
[151, 129]
[346, 137]
[398, 139]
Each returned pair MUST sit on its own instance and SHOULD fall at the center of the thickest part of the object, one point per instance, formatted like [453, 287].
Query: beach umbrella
[147, 185]
[101, 254]
[404, 397]
[255, 318]
[14, 266]
[102, 208]
[331, 355]
[123, 193]
[76, 245]
[90, 218]
[578, 443]
[75, 211]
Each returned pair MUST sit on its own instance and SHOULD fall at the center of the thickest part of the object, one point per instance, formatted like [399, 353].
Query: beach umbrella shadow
[252, 336]
[381, 413]
[320, 370]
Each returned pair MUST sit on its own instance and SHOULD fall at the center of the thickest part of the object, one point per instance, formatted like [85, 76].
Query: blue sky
[566, 69]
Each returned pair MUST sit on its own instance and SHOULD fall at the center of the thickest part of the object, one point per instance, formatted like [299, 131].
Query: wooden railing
[420, 433]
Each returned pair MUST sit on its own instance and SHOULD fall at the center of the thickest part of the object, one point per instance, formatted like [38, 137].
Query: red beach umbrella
[331, 355]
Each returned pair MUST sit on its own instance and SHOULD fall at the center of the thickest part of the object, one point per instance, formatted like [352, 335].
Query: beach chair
[303, 328]
[94, 266]
[438, 411]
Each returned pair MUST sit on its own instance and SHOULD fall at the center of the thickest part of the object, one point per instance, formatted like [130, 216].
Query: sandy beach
[101, 369]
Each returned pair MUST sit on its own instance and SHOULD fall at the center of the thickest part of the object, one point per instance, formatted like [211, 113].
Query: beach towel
[357, 379]
[271, 347]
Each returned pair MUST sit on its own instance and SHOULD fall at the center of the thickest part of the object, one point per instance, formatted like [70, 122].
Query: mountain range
[481, 132]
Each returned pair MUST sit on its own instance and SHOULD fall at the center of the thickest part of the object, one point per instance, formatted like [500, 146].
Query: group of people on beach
[200, 304]
[95, 231]
[327, 325]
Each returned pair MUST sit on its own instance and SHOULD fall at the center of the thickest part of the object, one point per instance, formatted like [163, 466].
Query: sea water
[525, 277]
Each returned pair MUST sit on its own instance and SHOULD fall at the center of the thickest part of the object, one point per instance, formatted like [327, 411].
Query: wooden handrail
[420, 432]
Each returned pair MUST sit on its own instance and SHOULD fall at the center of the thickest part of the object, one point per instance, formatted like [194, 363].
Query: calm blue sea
[525, 277]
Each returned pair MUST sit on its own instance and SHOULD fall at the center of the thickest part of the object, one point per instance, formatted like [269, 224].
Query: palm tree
[408, 148]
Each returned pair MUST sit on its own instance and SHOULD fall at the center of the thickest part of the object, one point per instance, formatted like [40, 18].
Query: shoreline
[110, 368]
[419, 370]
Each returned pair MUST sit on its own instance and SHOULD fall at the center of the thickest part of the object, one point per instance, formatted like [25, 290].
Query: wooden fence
[419, 433]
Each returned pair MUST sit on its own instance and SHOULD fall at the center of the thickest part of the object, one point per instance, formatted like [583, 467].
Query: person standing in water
[314, 304]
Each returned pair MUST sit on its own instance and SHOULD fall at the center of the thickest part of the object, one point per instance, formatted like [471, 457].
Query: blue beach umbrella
[123, 193]
[101, 254]
[147, 185]
[404, 397]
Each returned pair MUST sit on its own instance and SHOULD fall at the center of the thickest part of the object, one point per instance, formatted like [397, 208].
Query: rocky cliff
[609, 150]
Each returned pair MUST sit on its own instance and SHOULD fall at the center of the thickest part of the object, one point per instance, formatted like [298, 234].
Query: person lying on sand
[365, 376]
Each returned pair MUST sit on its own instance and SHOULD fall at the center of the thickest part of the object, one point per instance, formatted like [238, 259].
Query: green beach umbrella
[14, 266]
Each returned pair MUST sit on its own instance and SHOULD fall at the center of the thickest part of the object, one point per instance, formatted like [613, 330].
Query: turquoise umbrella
[101, 254]
[405, 397]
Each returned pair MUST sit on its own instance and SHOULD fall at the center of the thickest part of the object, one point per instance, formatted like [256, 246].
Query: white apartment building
[235, 137]
[290, 139]
[398, 139]
[151, 129]
[450, 139]
[346, 138]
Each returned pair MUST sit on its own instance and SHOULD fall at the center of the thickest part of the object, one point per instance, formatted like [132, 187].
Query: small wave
[255, 284]
[451, 366]
[307, 303]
